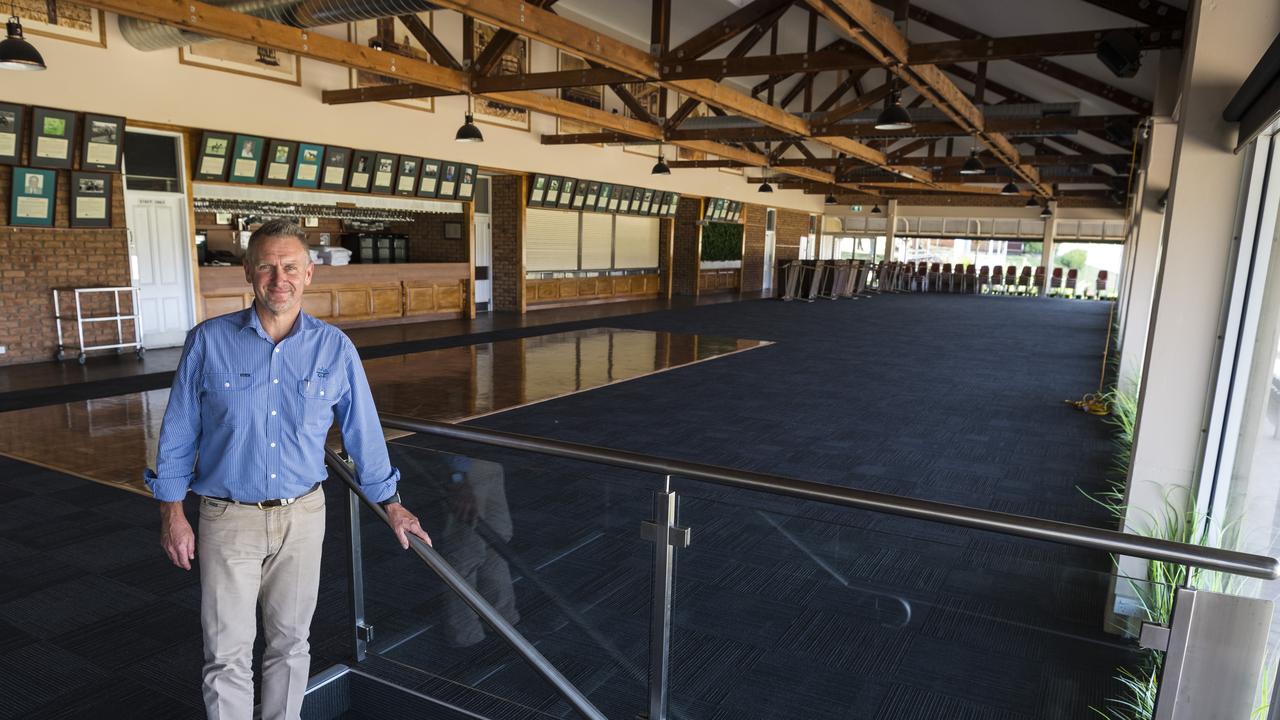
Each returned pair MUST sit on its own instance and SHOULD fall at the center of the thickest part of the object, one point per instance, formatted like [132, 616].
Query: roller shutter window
[551, 240]
[636, 243]
[597, 241]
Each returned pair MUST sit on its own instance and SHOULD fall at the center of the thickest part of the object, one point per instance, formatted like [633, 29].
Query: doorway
[770, 246]
[155, 203]
[483, 253]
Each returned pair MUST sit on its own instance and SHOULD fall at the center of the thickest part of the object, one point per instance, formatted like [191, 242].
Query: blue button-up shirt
[247, 417]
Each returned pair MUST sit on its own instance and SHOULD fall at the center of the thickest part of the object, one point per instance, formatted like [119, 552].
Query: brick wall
[753, 217]
[687, 248]
[508, 242]
[427, 242]
[664, 256]
[791, 225]
[33, 261]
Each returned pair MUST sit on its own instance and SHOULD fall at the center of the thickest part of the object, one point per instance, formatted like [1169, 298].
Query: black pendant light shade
[1009, 189]
[765, 187]
[469, 132]
[894, 116]
[1031, 202]
[875, 210]
[973, 166]
[660, 167]
[15, 52]
[831, 200]
[1045, 213]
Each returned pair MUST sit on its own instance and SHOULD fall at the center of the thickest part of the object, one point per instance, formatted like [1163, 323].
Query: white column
[1147, 236]
[1224, 42]
[891, 217]
[1046, 248]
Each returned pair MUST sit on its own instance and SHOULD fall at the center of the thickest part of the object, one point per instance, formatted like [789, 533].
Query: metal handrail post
[666, 537]
[355, 578]
[476, 601]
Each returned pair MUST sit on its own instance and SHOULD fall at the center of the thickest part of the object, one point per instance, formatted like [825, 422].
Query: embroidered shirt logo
[322, 373]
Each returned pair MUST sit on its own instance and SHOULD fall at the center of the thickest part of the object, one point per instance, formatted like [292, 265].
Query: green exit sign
[855, 208]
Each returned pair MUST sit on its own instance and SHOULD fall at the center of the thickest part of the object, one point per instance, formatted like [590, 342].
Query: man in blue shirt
[251, 404]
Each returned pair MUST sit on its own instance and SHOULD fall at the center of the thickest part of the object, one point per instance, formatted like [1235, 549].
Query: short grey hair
[275, 228]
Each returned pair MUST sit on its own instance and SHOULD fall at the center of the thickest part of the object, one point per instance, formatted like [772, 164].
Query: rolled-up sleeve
[362, 432]
[180, 430]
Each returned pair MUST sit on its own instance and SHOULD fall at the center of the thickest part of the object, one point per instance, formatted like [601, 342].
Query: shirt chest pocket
[317, 398]
[226, 398]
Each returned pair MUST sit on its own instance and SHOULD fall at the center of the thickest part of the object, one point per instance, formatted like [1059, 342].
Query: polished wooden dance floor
[110, 440]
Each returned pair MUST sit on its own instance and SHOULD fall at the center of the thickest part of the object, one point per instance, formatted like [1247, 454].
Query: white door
[770, 240]
[484, 262]
[160, 264]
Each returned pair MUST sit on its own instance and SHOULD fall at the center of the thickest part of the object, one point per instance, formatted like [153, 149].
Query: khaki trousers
[249, 555]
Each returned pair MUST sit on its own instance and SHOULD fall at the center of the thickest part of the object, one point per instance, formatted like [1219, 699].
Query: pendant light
[1009, 189]
[1045, 213]
[893, 116]
[764, 175]
[469, 132]
[1031, 202]
[973, 166]
[660, 167]
[830, 199]
[875, 210]
[15, 52]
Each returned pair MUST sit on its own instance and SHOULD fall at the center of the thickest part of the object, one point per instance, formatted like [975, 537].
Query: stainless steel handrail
[475, 601]
[1227, 561]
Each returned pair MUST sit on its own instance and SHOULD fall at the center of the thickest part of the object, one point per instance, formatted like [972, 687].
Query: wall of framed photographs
[722, 210]
[253, 160]
[559, 192]
[59, 156]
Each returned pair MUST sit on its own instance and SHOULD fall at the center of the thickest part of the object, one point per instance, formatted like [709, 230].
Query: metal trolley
[118, 318]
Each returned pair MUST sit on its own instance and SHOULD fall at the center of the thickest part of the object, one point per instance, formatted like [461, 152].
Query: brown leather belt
[267, 504]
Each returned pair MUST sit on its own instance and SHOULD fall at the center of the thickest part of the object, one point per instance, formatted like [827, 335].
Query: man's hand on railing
[404, 524]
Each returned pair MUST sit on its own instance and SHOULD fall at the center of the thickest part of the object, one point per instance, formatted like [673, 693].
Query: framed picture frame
[452, 230]
[31, 197]
[213, 160]
[281, 155]
[580, 195]
[384, 173]
[656, 207]
[306, 166]
[537, 190]
[552, 198]
[68, 21]
[567, 188]
[13, 121]
[637, 201]
[368, 33]
[615, 198]
[90, 199]
[606, 193]
[624, 199]
[591, 96]
[675, 202]
[735, 211]
[448, 180]
[429, 180]
[514, 61]
[632, 200]
[52, 133]
[102, 140]
[647, 202]
[361, 171]
[246, 159]
[665, 205]
[243, 59]
[593, 194]
[467, 182]
[407, 168]
[336, 162]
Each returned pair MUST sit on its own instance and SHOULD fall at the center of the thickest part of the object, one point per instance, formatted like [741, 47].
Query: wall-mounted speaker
[1120, 52]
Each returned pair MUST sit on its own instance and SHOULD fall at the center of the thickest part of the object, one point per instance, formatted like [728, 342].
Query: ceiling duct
[145, 35]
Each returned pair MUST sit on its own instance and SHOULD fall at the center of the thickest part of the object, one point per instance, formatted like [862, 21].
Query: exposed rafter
[722, 31]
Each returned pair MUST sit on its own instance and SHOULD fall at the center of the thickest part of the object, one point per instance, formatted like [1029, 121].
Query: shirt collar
[249, 319]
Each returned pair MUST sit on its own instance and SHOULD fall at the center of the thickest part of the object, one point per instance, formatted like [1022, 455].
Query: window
[597, 241]
[151, 162]
[636, 244]
[551, 240]
[1089, 260]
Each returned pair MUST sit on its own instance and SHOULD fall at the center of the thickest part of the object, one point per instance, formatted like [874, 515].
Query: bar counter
[350, 295]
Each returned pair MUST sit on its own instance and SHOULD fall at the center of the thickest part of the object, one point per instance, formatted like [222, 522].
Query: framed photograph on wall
[429, 181]
[656, 207]
[213, 160]
[665, 205]
[384, 173]
[280, 158]
[103, 135]
[606, 192]
[553, 191]
[336, 162]
[90, 199]
[13, 120]
[407, 175]
[52, 132]
[735, 211]
[647, 202]
[567, 188]
[675, 201]
[580, 195]
[614, 198]
[453, 230]
[448, 180]
[593, 194]
[537, 190]
[243, 59]
[361, 171]
[467, 182]
[624, 199]
[306, 167]
[31, 198]
[390, 35]
[63, 20]
[246, 163]
[514, 61]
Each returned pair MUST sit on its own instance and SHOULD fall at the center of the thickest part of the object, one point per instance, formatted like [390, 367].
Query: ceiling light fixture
[1046, 213]
[1009, 189]
[469, 132]
[764, 175]
[875, 210]
[831, 199]
[15, 52]
[660, 167]
[894, 116]
[1031, 202]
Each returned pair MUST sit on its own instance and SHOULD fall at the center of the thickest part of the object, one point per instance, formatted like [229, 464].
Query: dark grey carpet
[783, 609]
